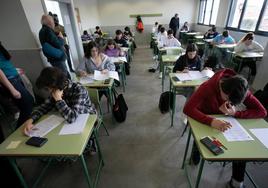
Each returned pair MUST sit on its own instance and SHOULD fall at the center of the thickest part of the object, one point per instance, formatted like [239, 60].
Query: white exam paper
[194, 75]
[262, 135]
[86, 80]
[75, 128]
[100, 76]
[45, 126]
[236, 132]
[118, 59]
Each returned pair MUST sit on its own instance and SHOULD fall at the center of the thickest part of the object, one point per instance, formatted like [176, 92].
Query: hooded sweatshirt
[207, 100]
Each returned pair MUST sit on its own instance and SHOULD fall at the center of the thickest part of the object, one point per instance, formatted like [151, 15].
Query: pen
[218, 142]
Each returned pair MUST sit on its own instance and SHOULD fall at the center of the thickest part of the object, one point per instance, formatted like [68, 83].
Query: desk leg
[199, 172]
[89, 182]
[17, 171]
[42, 173]
[173, 105]
[101, 162]
[163, 77]
[186, 149]
[251, 179]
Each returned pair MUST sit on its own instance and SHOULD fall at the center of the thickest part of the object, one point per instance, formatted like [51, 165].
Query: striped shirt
[75, 101]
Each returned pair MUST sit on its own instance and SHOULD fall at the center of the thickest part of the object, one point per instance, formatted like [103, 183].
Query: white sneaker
[160, 75]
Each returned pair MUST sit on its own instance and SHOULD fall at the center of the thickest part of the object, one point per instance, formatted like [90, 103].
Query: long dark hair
[4, 52]
[89, 47]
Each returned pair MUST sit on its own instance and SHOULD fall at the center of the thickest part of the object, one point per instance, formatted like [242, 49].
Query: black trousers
[238, 167]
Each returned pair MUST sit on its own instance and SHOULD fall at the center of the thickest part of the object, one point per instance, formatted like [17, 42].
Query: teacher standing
[174, 24]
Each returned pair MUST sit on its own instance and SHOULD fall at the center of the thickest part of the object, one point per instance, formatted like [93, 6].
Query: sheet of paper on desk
[76, 127]
[236, 132]
[194, 75]
[262, 135]
[86, 80]
[45, 126]
[114, 75]
[118, 59]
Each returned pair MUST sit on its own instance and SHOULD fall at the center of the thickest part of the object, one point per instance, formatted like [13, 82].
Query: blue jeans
[25, 103]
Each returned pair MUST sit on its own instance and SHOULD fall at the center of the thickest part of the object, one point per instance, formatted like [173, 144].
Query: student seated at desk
[155, 29]
[224, 38]
[219, 95]
[112, 49]
[170, 40]
[211, 33]
[185, 27]
[161, 36]
[189, 61]
[98, 32]
[94, 60]
[14, 87]
[248, 44]
[68, 98]
[86, 36]
[129, 36]
[119, 39]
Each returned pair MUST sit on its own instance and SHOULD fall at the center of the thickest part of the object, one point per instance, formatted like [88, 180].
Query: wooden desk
[56, 146]
[165, 60]
[99, 84]
[242, 150]
[246, 56]
[177, 87]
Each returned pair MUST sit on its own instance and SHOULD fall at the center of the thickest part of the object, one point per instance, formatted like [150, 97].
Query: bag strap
[115, 93]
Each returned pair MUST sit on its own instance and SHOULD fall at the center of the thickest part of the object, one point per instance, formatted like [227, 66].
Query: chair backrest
[94, 96]
[174, 51]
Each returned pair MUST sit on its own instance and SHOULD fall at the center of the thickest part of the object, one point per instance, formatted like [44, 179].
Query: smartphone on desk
[36, 141]
[176, 79]
[107, 81]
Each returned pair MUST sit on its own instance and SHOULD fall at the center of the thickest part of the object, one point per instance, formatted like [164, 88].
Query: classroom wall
[89, 13]
[17, 36]
[113, 13]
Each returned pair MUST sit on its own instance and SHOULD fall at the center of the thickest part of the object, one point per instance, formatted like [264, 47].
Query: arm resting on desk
[254, 108]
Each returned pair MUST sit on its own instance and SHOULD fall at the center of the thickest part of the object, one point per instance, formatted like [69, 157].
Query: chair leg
[105, 129]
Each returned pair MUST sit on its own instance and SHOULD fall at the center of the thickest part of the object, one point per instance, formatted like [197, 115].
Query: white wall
[89, 13]
[116, 12]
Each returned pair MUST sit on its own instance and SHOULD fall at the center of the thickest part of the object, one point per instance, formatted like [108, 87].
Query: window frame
[203, 19]
[256, 30]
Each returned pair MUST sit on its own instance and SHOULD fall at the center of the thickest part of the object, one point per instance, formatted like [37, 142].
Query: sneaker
[160, 75]
[230, 185]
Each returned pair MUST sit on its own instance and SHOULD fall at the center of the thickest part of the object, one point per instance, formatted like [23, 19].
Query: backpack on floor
[127, 68]
[262, 96]
[120, 107]
[165, 102]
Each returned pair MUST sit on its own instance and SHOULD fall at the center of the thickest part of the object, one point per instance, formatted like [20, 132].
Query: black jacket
[184, 61]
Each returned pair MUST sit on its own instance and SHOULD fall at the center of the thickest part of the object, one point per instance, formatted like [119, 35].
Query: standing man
[174, 24]
[52, 44]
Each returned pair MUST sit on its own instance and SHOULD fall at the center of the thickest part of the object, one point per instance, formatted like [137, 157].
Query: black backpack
[120, 108]
[262, 96]
[165, 102]
[127, 68]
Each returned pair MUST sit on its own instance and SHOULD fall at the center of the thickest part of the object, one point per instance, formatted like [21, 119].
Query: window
[208, 10]
[248, 15]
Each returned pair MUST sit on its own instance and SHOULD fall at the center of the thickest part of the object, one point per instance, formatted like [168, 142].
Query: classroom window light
[208, 11]
[248, 15]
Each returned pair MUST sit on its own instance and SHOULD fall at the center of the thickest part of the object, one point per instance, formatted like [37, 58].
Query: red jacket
[207, 100]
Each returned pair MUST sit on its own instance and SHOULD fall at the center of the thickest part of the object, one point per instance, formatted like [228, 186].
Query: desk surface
[208, 40]
[225, 45]
[240, 150]
[192, 83]
[57, 145]
[192, 33]
[98, 83]
[118, 59]
[199, 36]
[249, 54]
[125, 49]
[170, 48]
[169, 58]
